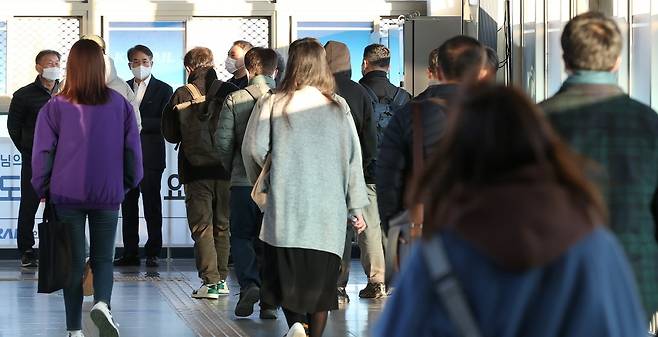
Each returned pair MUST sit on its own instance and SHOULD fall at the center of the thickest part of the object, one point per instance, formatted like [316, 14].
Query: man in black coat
[23, 111]
[375, 67]
[152, 96]
[370, 241]
[459, 59]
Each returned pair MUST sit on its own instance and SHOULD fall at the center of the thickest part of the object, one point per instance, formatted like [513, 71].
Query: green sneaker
[208, 291]
[222, 288]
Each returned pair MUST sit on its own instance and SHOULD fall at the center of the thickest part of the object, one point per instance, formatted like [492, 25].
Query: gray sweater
[316, 179]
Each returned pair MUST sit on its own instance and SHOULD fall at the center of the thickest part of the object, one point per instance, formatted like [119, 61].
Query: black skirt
[300, 280]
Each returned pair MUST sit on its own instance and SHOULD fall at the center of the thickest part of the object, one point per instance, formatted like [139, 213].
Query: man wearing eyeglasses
[151, 96]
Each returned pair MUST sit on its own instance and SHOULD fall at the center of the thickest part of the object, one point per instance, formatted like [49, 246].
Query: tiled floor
[157, 303]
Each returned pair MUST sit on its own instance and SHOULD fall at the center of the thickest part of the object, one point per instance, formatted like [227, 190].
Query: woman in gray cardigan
[315, 185]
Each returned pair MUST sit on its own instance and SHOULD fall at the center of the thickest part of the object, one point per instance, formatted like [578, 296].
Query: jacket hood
[110, 70]
[525, 221]
[202, 78]
[338, 57]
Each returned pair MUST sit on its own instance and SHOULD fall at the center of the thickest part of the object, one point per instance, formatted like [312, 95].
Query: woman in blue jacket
[523, 230]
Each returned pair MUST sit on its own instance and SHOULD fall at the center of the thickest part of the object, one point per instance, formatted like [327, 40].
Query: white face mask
[52, 74]
[231, 65]
[141, 72]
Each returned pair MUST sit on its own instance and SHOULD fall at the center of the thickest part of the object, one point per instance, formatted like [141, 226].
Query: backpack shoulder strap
[446, 286]
[371, 93]
[398, 97]
[253, 92]
[194, 91]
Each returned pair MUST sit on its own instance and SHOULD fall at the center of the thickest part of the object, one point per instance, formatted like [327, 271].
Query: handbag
[261, 186]
[407, 227]
[54, 252]
[259, 191]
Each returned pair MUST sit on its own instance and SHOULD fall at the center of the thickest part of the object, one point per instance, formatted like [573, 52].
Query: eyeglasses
[138, 63]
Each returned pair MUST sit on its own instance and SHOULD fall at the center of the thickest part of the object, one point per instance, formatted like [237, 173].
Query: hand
[359, 224]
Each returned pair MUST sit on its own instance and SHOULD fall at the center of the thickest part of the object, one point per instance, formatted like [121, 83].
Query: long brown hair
[85, 74]
[307, 66]
[494, 131]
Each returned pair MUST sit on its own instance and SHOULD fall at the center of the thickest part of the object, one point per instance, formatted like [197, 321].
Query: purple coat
[86, 156]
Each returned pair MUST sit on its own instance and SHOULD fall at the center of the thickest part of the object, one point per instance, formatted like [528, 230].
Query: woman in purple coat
[86, 156]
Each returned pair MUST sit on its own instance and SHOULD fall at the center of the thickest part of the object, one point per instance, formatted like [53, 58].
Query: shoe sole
[267, 316]
[105, 327]
[207, 296]
[245, 306]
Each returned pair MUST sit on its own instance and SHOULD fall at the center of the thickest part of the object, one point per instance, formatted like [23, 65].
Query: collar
[38, 83]
[146, 82]
[592, 77]
[376, 73]
[263, 80]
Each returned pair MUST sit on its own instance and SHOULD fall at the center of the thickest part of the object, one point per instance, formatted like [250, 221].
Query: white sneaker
[74, 333]
[222, 287]
[296, 330]
[208, 291]
[102, 317]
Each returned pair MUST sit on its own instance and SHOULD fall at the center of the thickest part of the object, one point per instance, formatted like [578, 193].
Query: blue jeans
[246, 219]
[102, 233]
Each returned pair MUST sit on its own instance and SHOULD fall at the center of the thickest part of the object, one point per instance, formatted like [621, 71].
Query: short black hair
[139, 48]
[377, 55]
[460, 56]
[45, 52]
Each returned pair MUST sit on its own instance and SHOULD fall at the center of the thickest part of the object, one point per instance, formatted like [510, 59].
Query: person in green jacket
[246, 217]
[600, 121]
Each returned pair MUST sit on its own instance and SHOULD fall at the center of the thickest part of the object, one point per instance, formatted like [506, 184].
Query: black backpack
[199, 123]
[383, 110]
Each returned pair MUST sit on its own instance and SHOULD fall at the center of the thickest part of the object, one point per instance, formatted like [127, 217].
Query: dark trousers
[28, 208]
[246, 220]
[102, 231]
[152, 200]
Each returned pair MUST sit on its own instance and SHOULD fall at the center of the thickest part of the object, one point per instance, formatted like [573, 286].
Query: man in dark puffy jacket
[23, 111]
[370, 241]
[459, 59]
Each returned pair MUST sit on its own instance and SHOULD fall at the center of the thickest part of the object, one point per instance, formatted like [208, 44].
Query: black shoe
[248, 298]
[152, 261]
[29, 259]
[125, 261]
[342, 296]
[373, 290]
[267, 311]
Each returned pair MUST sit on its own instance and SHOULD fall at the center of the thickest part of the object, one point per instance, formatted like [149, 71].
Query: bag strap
[194, 91]
[446, 286]
[418, 162]
[253, 92]
[397, 97]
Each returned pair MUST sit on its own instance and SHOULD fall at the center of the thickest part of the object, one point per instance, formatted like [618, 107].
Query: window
[3, 57]
[26, 36]
[253, 30]
[357, 36]
[165, 39]
[640, 60]
[558, 15]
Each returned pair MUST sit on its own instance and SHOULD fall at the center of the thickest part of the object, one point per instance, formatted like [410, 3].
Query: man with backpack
[370, 240]
[191, 119]
[246, 217]
[459, 59]
[385, 96]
